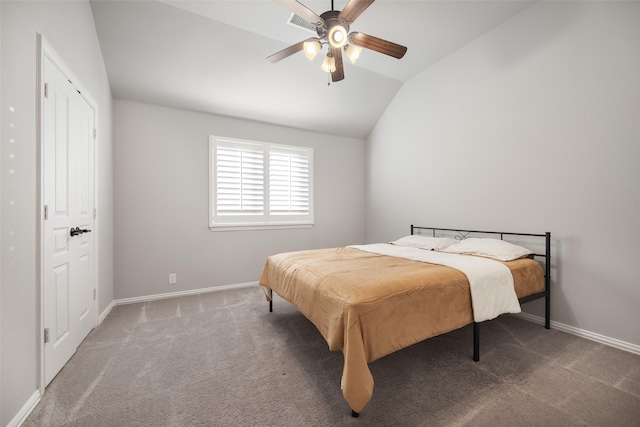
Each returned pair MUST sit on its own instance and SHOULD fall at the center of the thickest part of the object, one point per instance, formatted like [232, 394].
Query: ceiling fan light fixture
[337, 36]
[332, 28]
[353, 52]
[329, 64]
[312, 48]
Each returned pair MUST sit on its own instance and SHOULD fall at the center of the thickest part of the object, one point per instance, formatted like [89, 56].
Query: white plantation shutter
[239, 178]
[288, 181]
[255, 184]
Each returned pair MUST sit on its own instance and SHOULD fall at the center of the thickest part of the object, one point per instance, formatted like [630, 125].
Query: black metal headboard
[461, 234]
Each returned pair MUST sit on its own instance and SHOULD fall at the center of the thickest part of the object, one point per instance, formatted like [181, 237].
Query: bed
[371, 300]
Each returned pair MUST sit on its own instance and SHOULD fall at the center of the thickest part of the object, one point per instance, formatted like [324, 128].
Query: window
[259, 185]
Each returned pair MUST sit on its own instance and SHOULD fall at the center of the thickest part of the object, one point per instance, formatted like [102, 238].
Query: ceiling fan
[332, 28]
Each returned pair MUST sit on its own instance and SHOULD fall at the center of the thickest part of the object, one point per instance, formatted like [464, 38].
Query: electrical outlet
[173, 278]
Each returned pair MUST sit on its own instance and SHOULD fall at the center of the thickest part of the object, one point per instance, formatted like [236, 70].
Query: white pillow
[492, 248]
[425, 242]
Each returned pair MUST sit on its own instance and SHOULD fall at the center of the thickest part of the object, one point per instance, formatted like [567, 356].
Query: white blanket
[492, 291]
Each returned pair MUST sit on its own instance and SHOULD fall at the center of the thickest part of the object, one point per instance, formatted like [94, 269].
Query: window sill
[253, 227]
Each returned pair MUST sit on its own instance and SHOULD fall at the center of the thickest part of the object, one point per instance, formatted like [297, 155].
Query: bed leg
[547, 281]
[354, 414]
[476, 341]
[270, 300]
[547, 311]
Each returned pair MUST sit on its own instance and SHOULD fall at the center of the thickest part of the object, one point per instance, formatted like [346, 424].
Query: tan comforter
[369, 305]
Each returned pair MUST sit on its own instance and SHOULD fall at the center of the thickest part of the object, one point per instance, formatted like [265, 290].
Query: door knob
[77, 230]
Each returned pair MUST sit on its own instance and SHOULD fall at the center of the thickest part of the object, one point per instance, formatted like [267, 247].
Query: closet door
[68, 235]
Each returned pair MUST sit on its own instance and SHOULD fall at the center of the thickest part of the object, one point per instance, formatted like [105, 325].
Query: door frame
[45, 50]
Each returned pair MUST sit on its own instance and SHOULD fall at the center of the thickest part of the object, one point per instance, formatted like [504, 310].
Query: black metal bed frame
[546, 293]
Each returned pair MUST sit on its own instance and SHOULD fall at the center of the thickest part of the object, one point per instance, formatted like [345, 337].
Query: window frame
[266, 220]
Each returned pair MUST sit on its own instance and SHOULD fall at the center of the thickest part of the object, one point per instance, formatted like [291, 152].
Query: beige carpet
[221, 359]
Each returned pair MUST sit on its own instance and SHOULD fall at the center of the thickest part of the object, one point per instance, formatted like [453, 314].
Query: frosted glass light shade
[329, 64]
[312, 48]
[353, 52]
[337, 36]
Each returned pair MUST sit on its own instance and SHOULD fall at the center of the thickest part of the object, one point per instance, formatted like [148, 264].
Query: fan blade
[302, 11]
[379, 45]
[353, 9]
[338, 74]
[294, 48]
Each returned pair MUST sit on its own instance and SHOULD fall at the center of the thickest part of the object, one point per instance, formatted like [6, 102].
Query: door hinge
[95, 292]
[95, 213]
[46, 90]
[95, 133]
[46, 335]
[46, 212]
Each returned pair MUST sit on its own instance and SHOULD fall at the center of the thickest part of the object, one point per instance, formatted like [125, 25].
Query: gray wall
[69, 27]
[161, 200]
[533, 127]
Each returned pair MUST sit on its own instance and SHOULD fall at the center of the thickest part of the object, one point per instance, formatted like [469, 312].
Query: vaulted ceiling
[209, 56]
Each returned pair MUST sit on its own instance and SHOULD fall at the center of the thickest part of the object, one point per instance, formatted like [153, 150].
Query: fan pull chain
[328, 79]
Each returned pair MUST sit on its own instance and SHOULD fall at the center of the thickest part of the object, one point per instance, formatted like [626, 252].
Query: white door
[68, 198]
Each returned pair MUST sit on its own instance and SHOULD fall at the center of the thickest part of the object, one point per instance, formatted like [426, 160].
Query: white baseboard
[147, 298]
[25, 410]
[106, 312]
[612, 342]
